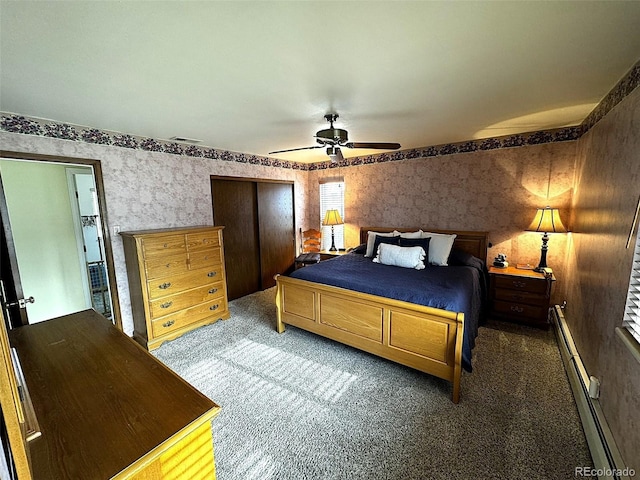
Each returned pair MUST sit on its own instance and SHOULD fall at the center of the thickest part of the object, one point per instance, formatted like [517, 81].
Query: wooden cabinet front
[177, 281]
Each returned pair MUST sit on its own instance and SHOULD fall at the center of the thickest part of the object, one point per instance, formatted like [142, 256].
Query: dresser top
[164, 231]
[101, 401]
[518, 272]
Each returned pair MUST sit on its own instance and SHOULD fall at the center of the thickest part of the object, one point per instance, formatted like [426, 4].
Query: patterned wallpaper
[146, 189]
[599, 265]
[496, 191]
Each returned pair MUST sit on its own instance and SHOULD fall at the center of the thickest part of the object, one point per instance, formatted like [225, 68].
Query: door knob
[22, 302]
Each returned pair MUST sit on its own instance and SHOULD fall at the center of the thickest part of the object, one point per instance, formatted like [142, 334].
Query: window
[332, 197]
[632, 310]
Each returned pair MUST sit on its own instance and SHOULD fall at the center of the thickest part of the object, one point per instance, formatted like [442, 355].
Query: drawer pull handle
[214, 307]
[164, 285]
[213, 290]
[168, 324]
[212, 274]
[519, 284]
[517, 309]
[166, 304]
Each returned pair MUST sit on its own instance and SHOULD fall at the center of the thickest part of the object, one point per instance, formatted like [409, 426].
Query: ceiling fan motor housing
[332, 136]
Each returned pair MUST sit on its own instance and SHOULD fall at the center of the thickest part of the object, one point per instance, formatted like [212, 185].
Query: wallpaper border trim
[16, 123]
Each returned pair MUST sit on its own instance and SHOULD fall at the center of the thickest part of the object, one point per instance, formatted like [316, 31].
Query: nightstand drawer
[516, 296]
[520, 310]
[530, 285]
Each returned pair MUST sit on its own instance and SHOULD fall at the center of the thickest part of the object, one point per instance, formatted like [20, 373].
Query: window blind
[332, 197]
[632, 310]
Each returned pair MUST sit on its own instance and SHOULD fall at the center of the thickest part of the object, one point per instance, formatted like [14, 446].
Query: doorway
[56, 252]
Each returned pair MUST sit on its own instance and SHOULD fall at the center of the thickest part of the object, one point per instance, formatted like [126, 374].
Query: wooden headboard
[474, 243]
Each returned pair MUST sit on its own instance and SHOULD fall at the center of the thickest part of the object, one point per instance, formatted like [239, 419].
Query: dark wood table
[107, 408]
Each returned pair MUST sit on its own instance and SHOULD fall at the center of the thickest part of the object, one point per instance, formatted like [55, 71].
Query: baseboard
[608, 463]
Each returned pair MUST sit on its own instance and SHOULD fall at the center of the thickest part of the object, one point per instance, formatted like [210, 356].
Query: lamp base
[333, 241]
[543, 255]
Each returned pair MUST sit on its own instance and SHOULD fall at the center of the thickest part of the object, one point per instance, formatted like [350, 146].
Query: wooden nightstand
[326, 254]
[521, 296]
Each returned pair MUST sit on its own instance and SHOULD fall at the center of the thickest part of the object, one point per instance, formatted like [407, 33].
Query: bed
[391, 318]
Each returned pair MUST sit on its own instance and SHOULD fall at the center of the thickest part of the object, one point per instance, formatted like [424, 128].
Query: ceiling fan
[334, 138]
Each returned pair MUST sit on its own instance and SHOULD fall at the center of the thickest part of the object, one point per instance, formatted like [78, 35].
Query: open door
[11, 296]
[45, 272]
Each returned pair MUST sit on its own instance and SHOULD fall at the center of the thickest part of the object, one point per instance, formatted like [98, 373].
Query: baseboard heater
[608, 463]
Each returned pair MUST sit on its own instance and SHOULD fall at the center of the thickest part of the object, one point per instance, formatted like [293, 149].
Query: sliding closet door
[277, 230]
[235, 207]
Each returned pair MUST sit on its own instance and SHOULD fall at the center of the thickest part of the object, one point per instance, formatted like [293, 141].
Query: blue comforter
[458, 288]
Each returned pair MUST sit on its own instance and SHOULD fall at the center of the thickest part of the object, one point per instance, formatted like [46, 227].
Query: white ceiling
[259, 76]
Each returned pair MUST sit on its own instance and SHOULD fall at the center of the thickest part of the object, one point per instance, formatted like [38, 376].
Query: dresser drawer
[531, 285]
[164, 265]
[163, 286]
[205, 258]
[199, 241]
[516, 296]
[165, 245]
[520, 310]
[166, 305]
[215, 309]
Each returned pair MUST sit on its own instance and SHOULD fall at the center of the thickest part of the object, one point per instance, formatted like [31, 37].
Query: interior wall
[145, 190]
[45, 238]
[495, 190]
[599, 265]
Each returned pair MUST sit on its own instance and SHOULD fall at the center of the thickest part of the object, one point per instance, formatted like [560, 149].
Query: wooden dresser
[521, 296]
[177, 281]
[106, 408]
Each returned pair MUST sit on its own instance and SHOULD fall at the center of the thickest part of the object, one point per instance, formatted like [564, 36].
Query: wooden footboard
[427, 339]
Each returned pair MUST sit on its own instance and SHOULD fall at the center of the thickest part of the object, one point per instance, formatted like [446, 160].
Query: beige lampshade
[332, 217]
[547, 220]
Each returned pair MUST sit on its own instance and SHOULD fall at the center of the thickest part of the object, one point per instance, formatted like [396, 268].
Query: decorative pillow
[387, 240]
[406, 257]
[371, 237]
[417, 242]
[417, 234]
[439, 247]
[362, 248]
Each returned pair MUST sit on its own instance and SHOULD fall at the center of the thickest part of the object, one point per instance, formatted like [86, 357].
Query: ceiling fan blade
[295, 149]
[379, 145]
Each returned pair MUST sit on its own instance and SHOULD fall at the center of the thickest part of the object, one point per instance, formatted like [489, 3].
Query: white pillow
[417, 234]
[371, 238]
[407, 257]
[439, 247]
